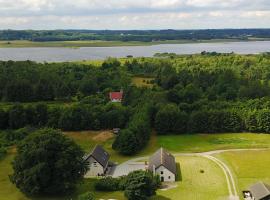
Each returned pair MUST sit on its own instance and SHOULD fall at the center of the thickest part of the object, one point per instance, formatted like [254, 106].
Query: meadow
[249, 167]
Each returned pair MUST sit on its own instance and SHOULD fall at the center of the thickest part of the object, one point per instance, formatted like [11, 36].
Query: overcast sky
[134, 14]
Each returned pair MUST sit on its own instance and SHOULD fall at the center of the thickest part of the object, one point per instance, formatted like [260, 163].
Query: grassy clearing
[249, 167]
[142, 81]
[208, 142]
[194, 185]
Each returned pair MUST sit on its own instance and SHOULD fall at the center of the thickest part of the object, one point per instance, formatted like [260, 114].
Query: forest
[203, 93]
[133, 35]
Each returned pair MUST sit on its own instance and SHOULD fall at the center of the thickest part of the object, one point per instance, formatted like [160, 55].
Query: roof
[260, 190]
[162, 158]
[116, 95]
[100, 155]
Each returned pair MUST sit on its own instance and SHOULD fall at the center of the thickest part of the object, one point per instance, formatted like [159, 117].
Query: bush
[107, 184]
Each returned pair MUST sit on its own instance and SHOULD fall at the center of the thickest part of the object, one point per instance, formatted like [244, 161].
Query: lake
[52, 54]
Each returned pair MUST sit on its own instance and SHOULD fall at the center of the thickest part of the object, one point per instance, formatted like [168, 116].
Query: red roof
[116, 96]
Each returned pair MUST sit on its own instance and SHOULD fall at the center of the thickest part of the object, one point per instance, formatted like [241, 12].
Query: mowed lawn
[195, 185]
[142, 81]
[209, 142]
[248, 167]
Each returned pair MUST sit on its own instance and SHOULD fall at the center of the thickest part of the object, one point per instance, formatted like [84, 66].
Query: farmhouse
[116, 96]
[163, 164]
[260, 191]
[98, 161]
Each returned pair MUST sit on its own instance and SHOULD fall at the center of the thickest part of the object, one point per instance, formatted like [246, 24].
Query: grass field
[142, 81]
[193, 184]
[97, 43]
[249, 167]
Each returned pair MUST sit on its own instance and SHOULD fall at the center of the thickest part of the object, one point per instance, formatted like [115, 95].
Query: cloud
[133, 14]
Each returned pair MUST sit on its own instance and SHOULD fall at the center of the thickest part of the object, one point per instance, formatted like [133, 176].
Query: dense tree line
[138, 131]
[132, 35]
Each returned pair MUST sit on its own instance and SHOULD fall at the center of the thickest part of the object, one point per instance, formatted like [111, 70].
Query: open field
[209, 142]
[97, 43]
[249, 167]
[194, 185]
[142, 81]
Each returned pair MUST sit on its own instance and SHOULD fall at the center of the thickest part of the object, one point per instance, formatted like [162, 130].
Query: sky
[134, 14]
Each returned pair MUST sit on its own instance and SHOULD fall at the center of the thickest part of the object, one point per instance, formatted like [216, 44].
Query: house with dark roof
[260, 191]
[162, 163]
[116, 96]
[98, 161]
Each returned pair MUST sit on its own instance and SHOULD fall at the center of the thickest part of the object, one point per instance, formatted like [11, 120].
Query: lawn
[208, 142]
[194, 185]
[142, 81]
[248, 167]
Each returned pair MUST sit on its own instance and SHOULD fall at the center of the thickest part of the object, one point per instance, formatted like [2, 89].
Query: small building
[116, 96]
[98, 161]
[260, 191]
[162, 163]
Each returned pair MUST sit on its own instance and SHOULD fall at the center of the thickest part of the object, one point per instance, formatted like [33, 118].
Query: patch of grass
[208, 142]
[142, 81]
[248, 167]
[195, 185]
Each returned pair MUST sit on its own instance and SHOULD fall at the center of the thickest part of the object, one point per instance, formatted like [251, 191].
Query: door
[162, 179]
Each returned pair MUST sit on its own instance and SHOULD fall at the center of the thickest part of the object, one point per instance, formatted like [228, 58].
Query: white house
[98, 161]
[163, 164]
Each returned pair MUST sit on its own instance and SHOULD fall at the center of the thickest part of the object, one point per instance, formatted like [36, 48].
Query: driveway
[125, 168]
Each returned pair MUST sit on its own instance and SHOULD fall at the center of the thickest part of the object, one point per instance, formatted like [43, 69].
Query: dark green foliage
[140, 185]
[263, 120]
[86, 196]
[19, 91]
[108, 184]
[3, 119]
[47, 163]
[135, 137]
[17, 117]
[169, 119]
[44, 90]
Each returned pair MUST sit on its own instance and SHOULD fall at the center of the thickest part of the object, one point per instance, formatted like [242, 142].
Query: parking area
[126, 168]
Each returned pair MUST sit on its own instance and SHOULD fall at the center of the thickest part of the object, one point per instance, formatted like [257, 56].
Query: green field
[194, 185]
[97, 43]
[142, 81]
[248, 167]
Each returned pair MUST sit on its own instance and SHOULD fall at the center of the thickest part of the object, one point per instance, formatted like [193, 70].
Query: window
[161, 172]
[169, 177]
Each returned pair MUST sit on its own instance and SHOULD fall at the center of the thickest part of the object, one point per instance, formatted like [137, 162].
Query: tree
[17, 117]
[140, 185]
[169, 119]
[44, 91]
[47, 163]
[3, 119]
[19, 91]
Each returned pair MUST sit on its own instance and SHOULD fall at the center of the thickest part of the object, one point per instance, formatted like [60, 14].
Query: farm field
[249, 167]
[142, 81]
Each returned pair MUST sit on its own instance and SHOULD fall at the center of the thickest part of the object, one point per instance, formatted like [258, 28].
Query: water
[94, 53]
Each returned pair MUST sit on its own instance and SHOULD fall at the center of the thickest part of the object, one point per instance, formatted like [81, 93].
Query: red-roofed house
[116, 96]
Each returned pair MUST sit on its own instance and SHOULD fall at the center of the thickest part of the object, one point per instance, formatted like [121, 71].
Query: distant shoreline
[96, 43]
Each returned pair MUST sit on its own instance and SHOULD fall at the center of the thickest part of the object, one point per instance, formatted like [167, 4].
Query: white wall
[95, 168]
[167, 175]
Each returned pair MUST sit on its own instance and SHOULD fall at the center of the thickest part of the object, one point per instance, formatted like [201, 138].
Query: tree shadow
[179, 173]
